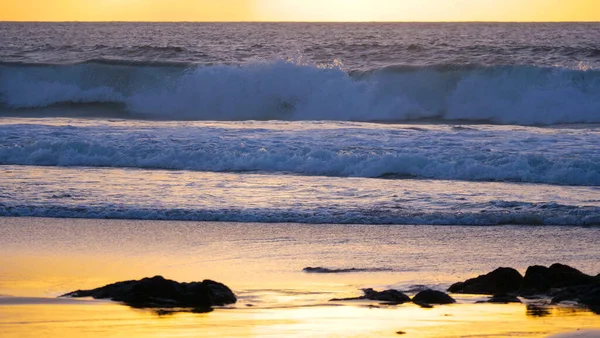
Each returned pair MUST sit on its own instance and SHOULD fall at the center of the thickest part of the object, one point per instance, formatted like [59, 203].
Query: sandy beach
[262, 263]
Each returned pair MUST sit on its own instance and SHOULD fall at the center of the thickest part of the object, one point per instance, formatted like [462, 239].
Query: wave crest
[282, 90]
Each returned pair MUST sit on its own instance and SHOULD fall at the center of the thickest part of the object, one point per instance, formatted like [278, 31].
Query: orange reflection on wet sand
[103, 319]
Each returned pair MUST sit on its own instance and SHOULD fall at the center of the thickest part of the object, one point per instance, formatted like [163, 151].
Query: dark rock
[591, 297]
[327, 270]
[501, 280]
[536, 280]
[168, 312]
[504, 299]
[433, 297]
[540, 280]
[389, 296]
[158, 292]
[565, 275]
[423, 305]
[457, 287]
[588, 295]
[400, 332]
[202, 309]
[346, 299]
[392, 296]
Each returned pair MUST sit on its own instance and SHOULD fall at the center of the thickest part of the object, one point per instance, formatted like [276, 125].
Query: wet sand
[43, 258]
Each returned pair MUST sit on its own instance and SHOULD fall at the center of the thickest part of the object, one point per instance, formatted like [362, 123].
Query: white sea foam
[478, 153]
[279, 90]
[531, 217]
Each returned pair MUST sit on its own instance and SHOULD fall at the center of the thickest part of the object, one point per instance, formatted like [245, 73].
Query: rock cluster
[424, 298]
[158, 292]
[560, 282]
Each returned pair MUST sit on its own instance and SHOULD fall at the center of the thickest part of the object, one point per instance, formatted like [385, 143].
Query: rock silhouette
[389, 296]
[432, 297]
[559, 282]
[501, 280]
[158, 292]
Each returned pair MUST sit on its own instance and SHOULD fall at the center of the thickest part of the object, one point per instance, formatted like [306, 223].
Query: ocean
[367, 123]
[417, 154]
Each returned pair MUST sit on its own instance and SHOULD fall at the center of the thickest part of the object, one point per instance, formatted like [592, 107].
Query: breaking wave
[283, 90]
[563, 156]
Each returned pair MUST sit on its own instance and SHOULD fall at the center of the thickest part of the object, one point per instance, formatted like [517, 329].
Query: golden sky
[300, 10]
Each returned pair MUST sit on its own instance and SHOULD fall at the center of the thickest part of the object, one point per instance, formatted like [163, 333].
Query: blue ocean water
[407, 123]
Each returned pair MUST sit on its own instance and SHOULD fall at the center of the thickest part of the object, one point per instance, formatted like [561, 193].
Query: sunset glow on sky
[300, 10]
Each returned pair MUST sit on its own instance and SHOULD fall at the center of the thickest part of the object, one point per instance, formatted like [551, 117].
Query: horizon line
[258, 22]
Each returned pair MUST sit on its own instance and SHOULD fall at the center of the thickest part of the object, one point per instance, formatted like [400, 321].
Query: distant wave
[280, 90]
[517, 213]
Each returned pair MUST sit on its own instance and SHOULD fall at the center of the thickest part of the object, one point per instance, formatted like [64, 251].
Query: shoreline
[262, 263]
